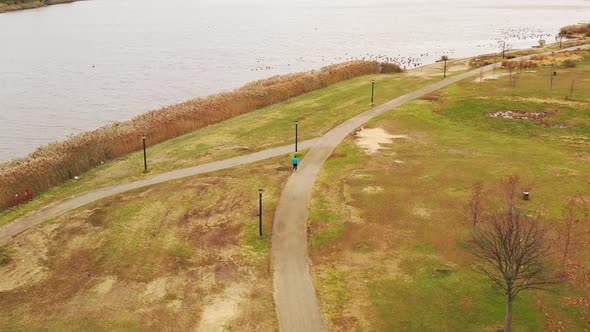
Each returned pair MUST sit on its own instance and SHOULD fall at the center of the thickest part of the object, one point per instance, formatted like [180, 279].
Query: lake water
[69, 68]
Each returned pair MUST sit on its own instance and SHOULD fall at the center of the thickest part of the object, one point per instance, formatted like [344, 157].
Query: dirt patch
[372, 190]
[211, 237]
[437, 68]
[27, 264]
[97, 215]
[434, 96]
[487, 76]
[421, 211]
[155, 290]
[105, 286]
[372, 139]
[561, 102]
[226, 272]
[537, 117]
[222, 310]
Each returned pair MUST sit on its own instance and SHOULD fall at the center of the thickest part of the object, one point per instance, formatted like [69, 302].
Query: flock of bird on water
[417, 60]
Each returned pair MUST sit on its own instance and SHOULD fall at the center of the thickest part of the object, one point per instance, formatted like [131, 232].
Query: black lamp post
[296, 133]
[144, 156]
[260, 212]
[444, 58]
[372, 90]
[553, 73]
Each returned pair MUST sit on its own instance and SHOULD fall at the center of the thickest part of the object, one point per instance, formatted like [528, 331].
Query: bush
[569, 64]
[570, 30]
[4, 256]
[387, 68]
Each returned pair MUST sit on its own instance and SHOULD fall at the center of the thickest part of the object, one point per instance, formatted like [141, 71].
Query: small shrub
[570, 30]
[569, 64]
[388, 68]
[182, 251]
[5, 256]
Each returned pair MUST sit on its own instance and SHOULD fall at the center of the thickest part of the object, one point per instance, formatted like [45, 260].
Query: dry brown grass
[553, 60]
[178, 256]
[575, 29]
[10, 5]
[55, 163]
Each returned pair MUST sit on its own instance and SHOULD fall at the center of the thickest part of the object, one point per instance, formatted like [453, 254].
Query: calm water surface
[69, 68]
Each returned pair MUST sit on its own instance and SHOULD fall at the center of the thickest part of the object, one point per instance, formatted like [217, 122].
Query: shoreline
[55, 163]
[4, 7]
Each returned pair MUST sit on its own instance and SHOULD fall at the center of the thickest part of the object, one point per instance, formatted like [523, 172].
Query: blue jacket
[295, 161]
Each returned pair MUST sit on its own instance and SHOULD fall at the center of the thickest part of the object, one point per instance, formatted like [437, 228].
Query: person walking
[295, 162]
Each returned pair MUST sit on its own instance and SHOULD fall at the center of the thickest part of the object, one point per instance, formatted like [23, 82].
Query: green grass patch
[462, 301]
[182, 250]
[330, 224]
[423, 248]
[259, 246]
[334, 291]
[326, 235]
[5, 255]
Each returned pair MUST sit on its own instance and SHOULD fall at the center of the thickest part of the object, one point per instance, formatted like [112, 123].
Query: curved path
[296, 301]
[295, 296]
[20, 225]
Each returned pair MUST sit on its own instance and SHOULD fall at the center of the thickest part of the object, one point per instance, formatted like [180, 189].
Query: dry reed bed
[10, 5]
[570, 30]
[554, 60]
[56, 163]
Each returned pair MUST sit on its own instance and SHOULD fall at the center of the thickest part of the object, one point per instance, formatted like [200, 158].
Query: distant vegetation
[576, 29]
[58, 162]
[10, 5]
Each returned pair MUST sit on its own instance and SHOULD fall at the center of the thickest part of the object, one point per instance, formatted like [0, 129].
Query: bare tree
[511, 246]
[574, 211]
[510, 66]
[475, 203]
[509, 187]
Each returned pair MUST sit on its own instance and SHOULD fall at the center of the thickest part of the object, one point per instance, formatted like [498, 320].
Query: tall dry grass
[10, 5]
[570, 30]
[56, 163]
[546, 60]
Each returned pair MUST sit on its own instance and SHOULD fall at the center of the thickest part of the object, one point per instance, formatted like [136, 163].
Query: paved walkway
[295, 297]
[20, 225]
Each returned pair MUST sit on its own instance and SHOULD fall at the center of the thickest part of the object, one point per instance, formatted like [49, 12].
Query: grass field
[187, 251]
[184, 255]
[390, 243]
[268, 127]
